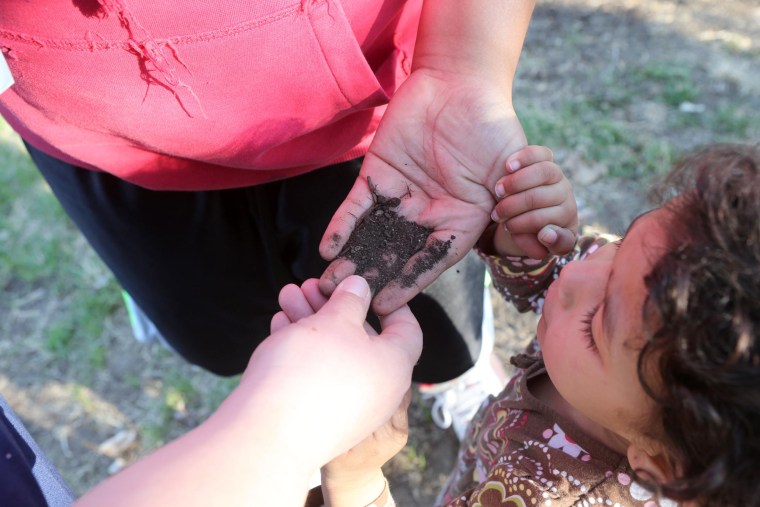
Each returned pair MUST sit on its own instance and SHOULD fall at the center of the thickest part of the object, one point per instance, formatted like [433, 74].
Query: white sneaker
[143, 329]
[456, 401]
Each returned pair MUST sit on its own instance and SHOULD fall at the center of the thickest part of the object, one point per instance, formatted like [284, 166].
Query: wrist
[274, 435]
[352, 489]
[479, 37]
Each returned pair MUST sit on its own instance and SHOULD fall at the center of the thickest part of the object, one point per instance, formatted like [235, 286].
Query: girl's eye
[586, 329]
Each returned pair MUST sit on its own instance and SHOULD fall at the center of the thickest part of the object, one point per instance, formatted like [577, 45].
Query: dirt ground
[658, 77]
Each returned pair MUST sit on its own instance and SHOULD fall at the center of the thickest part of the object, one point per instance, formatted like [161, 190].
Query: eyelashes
[586, 328]
[589, 316]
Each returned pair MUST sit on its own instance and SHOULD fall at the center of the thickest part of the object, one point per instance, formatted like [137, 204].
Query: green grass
[180, 395]
[414, 458]
[674, 83]
[41, 247]
[43, 250]
[30, 216]
[732, 120]
[622, 148]
[31, 246]
[598, 127]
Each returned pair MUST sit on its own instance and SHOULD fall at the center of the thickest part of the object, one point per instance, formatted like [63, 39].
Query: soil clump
[383, 241]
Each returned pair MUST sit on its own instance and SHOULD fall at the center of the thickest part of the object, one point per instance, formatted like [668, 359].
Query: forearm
[480, 37]
[231, 459]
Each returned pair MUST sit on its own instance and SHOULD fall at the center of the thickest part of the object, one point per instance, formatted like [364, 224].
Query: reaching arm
[229, 460]
[309, 394]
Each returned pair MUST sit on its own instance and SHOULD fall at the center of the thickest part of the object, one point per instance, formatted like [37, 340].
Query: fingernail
[494, 216]
[500, 190]
[514, 165]
[548, 236]
[355, 285]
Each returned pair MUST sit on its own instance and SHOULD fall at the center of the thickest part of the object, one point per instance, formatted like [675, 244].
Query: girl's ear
[652, 464]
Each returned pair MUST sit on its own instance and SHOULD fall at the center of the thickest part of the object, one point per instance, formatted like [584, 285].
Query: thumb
[530, 245]
[401, 330]
[557, 240]
[350, 300]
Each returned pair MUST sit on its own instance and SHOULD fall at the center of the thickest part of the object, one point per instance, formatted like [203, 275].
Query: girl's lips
[545, 311]
[540, 329]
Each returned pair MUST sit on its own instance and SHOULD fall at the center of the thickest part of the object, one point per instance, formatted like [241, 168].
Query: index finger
[401, 330]
[528, 156]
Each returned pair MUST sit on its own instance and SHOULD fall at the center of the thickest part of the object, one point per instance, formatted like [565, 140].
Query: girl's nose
[581, 281]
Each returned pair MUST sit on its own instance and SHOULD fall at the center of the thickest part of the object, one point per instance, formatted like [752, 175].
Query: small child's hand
[536, 206]
[356, 477]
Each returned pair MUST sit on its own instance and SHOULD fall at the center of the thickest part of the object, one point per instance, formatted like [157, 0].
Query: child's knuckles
[508, 182]
[564, 244]
[529, 200]
[550, 172]
[503, 211]
[535, 153]
[522, 224]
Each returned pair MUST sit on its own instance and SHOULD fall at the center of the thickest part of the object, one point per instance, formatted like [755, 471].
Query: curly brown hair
[703, 306]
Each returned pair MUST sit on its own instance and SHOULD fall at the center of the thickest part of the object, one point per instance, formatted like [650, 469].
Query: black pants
[207, 266]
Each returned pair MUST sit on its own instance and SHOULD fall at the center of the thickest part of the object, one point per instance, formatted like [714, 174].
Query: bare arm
[477, 38]
[308, 395]
[444, 140]
[234, 458]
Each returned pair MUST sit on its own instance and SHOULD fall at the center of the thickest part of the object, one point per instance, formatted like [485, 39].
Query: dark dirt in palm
[383, 241]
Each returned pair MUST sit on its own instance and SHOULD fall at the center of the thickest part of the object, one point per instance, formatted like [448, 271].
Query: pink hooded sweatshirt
[192, 94]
